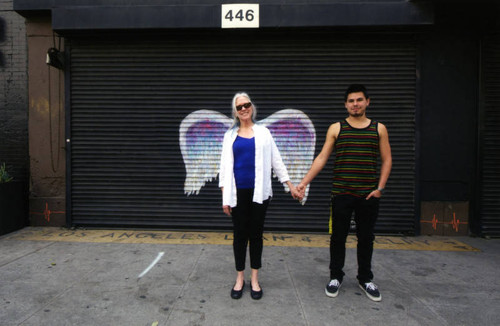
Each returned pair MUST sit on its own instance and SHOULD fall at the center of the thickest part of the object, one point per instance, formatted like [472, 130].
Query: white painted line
[157, 259]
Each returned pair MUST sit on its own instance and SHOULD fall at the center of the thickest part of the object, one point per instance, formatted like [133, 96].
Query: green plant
[4, 176]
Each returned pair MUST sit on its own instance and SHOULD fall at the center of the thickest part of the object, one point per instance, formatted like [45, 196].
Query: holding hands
[294, 192]
[297, 192]
[301, 188]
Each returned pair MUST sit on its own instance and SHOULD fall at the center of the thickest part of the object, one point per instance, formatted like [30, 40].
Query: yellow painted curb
[226, 238]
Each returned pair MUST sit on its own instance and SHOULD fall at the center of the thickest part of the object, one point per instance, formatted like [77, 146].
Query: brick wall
[13, 92]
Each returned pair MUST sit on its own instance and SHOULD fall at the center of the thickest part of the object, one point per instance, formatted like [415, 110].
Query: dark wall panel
[490, 138]
[448, 111]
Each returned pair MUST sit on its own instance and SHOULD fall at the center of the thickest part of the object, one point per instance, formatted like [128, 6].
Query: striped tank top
[356, 153]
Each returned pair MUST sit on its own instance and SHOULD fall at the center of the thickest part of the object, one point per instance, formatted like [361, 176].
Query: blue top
[244, 162]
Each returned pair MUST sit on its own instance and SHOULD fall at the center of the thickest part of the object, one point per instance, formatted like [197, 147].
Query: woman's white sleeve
[277, 163]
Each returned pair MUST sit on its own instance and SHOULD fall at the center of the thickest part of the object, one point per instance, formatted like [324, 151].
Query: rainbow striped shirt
[356, 153]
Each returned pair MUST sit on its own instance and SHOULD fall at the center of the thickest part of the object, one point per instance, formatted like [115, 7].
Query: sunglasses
[246, 106]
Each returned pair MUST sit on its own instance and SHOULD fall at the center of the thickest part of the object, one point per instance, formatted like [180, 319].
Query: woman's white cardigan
[267, 156]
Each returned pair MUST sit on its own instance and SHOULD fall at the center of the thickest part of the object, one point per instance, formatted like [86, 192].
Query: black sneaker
[371, 291]
[332, 288]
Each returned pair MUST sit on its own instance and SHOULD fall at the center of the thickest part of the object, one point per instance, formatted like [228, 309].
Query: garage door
[135, 98]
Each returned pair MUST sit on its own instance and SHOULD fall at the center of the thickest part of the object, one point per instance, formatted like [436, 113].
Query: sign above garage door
[240, 16]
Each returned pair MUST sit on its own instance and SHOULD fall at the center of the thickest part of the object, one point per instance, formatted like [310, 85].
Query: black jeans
[248, 226]
[365, 216]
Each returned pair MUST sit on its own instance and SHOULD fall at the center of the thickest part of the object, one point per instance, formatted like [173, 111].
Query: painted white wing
[201, 134]
[295, 136]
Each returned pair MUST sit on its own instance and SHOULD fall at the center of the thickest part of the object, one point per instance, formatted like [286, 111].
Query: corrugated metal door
[129, 96]
[490, 140]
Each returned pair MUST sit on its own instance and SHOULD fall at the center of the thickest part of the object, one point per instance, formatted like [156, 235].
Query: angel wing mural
[201, 134]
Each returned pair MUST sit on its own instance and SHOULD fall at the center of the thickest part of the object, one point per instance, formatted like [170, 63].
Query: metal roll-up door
[490, 156]
[129, 96]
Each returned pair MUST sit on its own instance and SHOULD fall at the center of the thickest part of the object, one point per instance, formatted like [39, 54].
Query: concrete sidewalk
[96, 283]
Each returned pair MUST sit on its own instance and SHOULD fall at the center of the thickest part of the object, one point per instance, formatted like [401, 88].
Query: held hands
[294, 192]
[298, 192]
[301, 188]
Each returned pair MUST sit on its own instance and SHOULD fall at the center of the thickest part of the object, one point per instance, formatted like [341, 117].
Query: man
[358, 141]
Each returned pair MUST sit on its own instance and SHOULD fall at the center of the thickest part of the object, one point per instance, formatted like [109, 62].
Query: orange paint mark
[455, 223]
[47, 212]
[434, 222]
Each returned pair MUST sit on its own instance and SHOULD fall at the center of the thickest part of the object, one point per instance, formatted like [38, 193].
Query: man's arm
[322, 158]
[385, 158]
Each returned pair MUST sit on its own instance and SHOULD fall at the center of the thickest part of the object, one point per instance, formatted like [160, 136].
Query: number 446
[248, 16]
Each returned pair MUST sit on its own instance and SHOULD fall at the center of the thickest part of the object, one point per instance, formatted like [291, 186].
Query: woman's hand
[227, 210]
[294, 192]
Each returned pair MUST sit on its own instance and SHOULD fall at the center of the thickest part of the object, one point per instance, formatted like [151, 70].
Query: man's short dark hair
[356, 88]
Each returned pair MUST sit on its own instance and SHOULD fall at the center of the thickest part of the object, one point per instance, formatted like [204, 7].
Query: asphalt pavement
[76, 280]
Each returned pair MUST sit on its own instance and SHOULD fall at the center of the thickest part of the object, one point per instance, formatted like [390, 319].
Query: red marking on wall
[47, 212]
[434, 222]
[455, 223]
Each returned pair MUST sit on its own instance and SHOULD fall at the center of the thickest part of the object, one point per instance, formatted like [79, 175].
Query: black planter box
[13, 207]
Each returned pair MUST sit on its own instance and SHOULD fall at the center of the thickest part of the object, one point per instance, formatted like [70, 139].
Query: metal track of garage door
[490, 138]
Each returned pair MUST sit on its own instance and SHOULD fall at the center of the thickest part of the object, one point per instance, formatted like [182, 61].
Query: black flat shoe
[256, 295]
[237, 294]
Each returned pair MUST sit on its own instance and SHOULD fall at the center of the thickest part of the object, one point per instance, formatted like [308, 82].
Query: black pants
[248, 226]
[365, 216]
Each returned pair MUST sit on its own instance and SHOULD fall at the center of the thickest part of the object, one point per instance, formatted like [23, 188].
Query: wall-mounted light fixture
[55, 58]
